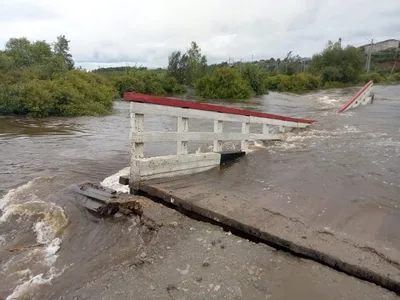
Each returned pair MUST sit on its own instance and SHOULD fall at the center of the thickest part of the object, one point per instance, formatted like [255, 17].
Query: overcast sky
[121, 32]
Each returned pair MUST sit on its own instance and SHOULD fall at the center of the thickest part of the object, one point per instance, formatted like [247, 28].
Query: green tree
[177, 66]
[40, 52]
[19, 49]
[331, 74]
[255, 76]
[187, 68]
[5, 62]
[344, 64]
[61, 48]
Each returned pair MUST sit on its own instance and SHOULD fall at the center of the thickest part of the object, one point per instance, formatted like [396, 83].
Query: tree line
[40, 79]
[335, 66]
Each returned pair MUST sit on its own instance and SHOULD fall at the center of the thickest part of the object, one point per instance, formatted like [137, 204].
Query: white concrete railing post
[137, 149]
[218, 127]
[245, 130]
[183, 126]
[265, 129]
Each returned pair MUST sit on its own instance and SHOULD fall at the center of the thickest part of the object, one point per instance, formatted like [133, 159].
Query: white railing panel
[176, 165]
[161, 110]
[166, 136]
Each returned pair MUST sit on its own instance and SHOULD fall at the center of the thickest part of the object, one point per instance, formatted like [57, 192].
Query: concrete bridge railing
[183, 163]
[363, 97]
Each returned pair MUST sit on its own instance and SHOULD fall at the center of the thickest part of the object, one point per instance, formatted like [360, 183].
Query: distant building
[376, 47]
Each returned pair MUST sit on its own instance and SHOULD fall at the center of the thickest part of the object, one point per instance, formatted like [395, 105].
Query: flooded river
[349, 160]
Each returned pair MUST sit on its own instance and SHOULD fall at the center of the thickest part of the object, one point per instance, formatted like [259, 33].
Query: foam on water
[112, 181]
[34, 283]
[329, 102]
[12, 194]
[49, 222]
[2, 240]
[255, 146]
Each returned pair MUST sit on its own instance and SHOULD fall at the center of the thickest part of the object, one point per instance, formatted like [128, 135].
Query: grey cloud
[25, 11]
[306, 18]
[225, 28]
[392, 28]
[105, 34]
[391, 14]
[358, 34]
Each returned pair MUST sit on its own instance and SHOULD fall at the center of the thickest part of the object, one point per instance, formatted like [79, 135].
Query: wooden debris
[20, 248]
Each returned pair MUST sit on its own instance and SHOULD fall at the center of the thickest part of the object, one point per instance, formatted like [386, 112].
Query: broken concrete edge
[124, 180]
[105, 202]
[230, 156]
[226, 157]
[336, 263]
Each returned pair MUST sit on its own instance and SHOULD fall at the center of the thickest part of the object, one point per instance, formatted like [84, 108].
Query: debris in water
[20, 248]
[107, 202]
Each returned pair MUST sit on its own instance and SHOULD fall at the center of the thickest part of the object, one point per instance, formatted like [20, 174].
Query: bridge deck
[323, 202]
[214, 194]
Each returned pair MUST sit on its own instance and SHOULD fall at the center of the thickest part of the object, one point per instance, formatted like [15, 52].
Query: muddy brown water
[349, 160]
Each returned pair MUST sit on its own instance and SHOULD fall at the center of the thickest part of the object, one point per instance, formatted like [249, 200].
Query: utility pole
[395, 62]
[369, 55]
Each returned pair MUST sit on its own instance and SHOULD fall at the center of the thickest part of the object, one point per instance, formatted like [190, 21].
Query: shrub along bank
[223, 83]
[39, 79]
[143, 81]
[73, 93]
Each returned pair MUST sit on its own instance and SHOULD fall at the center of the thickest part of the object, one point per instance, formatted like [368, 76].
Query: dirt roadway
[189, 259]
